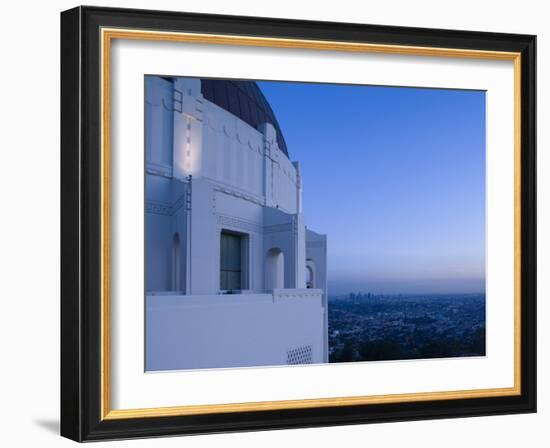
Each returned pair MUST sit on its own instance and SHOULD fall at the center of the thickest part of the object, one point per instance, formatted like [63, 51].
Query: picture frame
[86, 210]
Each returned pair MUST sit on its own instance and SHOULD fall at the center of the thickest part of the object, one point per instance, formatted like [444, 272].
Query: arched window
[275, 269]
[176, 263]
[309, 277]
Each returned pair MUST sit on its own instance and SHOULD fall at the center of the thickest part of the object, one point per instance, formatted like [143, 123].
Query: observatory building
[233, 276]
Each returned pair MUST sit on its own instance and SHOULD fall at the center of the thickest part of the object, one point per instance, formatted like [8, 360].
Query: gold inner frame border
[107, 35]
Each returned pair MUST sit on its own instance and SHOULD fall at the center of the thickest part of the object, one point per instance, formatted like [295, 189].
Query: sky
[396, 179]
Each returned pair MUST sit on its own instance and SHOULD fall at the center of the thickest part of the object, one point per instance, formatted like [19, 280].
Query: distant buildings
[366, 327]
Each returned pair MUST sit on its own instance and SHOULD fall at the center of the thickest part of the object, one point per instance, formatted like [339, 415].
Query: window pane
[234, 280]
[230, 261]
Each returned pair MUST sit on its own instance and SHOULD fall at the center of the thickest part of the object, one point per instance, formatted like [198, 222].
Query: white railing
[297, 293]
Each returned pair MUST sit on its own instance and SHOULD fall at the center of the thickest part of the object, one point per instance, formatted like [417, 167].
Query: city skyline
[404, 200]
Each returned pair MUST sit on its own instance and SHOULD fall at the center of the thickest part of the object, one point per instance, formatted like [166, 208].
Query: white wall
[232, 151]
[316, 259]
[29, 239]
[241, 330]
[232, 154]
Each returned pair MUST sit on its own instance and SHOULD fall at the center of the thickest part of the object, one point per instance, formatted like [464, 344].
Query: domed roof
[245, 100]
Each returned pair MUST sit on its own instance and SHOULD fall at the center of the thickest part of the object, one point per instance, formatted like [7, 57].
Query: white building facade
[233, 276]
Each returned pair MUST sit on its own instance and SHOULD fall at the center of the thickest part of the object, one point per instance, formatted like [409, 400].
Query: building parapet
[283, 327]
[175, 298]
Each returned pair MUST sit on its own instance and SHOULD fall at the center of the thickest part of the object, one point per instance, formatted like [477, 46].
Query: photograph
[293, 223]
[273, 223]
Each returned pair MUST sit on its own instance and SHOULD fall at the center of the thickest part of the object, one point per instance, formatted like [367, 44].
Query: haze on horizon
[395, 177]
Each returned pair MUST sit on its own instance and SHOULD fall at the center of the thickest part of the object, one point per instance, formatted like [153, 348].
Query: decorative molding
[178, 101]
[164, 208]
[158, 208]
[226, 128]
[300, 293]
[237, 223]
[235, 193]
[278, 228]
[180, 202]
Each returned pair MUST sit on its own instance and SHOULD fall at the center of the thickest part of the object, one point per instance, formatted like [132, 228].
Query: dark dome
[245, 100]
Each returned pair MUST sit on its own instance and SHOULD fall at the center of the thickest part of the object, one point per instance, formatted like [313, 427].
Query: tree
[380, 350]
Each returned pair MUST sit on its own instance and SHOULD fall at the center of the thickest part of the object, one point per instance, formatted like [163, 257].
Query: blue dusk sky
[396, 179]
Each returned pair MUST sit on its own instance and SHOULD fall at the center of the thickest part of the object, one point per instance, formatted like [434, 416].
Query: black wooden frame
[80, 224]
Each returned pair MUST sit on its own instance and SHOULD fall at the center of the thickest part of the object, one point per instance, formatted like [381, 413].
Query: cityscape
[312, 245]
[377, 327]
